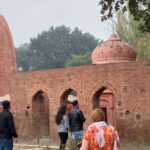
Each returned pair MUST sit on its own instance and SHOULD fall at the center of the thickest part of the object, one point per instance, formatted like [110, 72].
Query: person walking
[99, 135]
[7, 128]
[76, 120]
[62, 122]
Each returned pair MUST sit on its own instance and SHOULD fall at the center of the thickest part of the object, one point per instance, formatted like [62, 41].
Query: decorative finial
[113, 37]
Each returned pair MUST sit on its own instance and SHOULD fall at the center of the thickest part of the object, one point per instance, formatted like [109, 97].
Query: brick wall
[129, 83]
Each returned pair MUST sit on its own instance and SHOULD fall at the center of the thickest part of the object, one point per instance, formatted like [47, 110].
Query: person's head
[98, 115]
[6, 104]
[75, 103]
[61, 112]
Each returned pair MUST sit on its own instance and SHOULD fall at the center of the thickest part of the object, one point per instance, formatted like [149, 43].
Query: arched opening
[40, 114]
[104, 98]
[68, 95]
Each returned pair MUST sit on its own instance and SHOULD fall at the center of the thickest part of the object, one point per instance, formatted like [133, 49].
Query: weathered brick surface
[7, 57]
[129, 82]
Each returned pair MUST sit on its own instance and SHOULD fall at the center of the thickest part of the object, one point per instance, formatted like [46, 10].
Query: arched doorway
[68, 95]
[104, 98]
[40, 114]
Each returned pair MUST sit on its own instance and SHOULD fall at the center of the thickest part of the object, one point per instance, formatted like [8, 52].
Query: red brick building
[117, 83]
[7, 57]
[7, 60]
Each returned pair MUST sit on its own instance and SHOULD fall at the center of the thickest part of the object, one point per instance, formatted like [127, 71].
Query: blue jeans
[6, 144]
[76, 135]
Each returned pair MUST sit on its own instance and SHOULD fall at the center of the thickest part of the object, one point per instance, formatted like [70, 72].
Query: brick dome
[7, 57]
[112, 51]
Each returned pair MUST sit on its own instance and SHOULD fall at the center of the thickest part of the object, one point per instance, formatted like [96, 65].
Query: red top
[69, 107]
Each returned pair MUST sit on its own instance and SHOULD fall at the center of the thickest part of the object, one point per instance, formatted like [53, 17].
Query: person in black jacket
[76, 120]
[7, 128]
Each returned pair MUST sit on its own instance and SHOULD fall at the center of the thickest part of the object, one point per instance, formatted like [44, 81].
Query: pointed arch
[65, 94]
[104, 96]
[101, 87]
[33, 92]
[40, 114]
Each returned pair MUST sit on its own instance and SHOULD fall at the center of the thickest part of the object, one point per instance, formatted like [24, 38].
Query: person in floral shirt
[99, 135]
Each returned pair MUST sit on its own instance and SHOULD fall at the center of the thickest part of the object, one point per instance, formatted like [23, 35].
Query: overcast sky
[27, 18]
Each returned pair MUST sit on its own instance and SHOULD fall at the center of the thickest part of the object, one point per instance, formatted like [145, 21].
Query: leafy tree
[143, 47]
[128, 30]
[80, 59]
[22, 57]
[52, 48]
[140, 9]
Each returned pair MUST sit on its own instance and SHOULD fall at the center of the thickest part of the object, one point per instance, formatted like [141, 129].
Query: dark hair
[6, 104]
[61, 112]
[75, 103]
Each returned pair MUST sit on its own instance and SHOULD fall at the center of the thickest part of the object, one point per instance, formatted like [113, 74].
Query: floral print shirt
[101, 137]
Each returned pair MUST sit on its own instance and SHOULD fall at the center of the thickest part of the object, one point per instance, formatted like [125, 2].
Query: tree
[22, 57]
[52, 48]
[140, 9]
[80, 59]
[128, 30]
[143, 47]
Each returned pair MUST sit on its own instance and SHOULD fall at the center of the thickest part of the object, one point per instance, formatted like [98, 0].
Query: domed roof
[112, 51]
[7, 57]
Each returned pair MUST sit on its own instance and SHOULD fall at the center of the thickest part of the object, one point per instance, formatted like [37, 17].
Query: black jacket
[7, 127]
[76, 119]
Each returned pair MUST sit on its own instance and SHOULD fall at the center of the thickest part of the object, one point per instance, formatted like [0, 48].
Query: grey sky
[27, 18]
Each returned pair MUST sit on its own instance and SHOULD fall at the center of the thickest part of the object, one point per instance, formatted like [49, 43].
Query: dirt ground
[36, 147]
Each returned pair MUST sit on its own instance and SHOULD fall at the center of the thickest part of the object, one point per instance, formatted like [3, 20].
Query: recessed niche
[138, 117]
[121, 115]
[142, 90]
[125, 89]
[119, 103]
[28, 107]
[127, 112]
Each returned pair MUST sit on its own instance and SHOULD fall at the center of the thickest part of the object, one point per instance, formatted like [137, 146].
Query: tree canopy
[140, 9]
[22, 57]
[52, 48]
[80, 59]
[128, 30]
